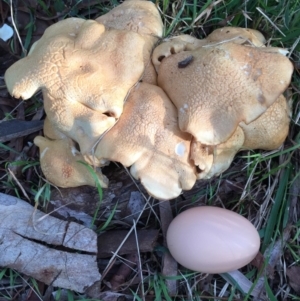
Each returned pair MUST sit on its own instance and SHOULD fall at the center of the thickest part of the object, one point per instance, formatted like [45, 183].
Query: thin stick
[274, 25]
[140, 263]
[16, 29]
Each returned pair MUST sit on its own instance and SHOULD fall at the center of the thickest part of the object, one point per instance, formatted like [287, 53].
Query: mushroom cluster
[174, 113]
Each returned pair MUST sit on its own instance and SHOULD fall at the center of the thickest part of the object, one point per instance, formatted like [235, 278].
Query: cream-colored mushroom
[148, 139]
[237, 35]
[212, 160]
[141, 17]
[51, 132]
[215, 88]
[60, 163]
[267, 132]
[85, 73]
[175, 45]
[182, 43]
[138, 16]
[149, 75]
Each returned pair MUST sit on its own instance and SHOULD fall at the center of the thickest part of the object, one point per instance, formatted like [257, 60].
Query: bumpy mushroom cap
[237, 35]
[150, 75]
[215, 88]
[213, 160]
[85, 73]
[138, 16]
[51, 132]
[267, 132]
[148, 139]
[175, 45]
[59, 163]
[141, 17]
[181, 43]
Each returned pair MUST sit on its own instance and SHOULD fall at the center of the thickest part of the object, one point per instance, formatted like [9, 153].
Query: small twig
[19, 184]
[122, 243]
[294, 46]
[139, 260]
[274, 25]
[16, 29]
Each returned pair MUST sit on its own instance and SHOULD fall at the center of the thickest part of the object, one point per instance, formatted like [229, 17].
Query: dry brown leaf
[110, 241]
[293, 274]
[169, 263]
[125, 269]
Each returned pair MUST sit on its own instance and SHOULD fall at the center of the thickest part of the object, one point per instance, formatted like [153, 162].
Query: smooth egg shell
[212, 240]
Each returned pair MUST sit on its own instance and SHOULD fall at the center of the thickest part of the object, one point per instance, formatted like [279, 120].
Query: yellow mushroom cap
[51, 132]
[237, 35]
[148, 139]
[216, 87]
[185, 42]
[212, 160]
[138, 16]
[269, 131]
[85, 73]
[60, 163]
[175, 45]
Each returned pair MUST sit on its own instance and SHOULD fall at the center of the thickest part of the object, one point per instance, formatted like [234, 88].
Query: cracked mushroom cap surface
[175, 45]
[148, 139]
[267, 132]
[185, 42]
[237, 35]
[135, 15]
[79, 64]
[212, 160]
[59, 163]
[215, 88]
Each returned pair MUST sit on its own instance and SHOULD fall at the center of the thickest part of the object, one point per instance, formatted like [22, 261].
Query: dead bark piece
[21, 218]
[110, 241]
[23, 230]
[12, 129]
[169, 263]
[293, 274]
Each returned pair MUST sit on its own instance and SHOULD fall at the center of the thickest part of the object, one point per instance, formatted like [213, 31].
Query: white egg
[212, 240]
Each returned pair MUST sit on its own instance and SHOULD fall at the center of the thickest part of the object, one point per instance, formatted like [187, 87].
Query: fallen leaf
[125, 269]
[293, 274]
[109, 242]
[169, 263]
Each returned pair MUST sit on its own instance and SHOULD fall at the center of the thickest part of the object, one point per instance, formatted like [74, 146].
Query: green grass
[269, 178]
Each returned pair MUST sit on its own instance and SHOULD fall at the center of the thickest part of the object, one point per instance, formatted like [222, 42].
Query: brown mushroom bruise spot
[174, 45]
[187, 61]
